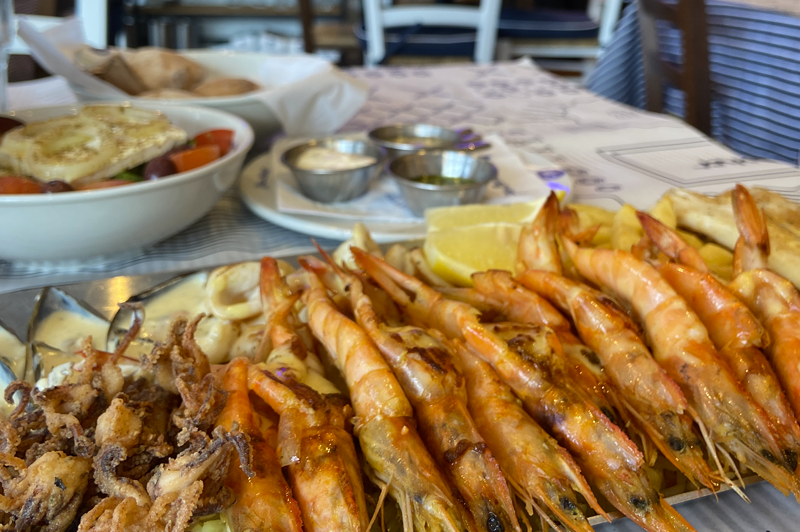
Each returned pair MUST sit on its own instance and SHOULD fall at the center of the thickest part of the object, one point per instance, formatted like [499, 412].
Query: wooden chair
[307, 21]
[693, 77]
[483, 18]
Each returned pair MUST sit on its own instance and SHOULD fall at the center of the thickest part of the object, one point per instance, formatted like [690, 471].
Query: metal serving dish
[447, 164]
[403, 139]
[100, 299]
[329, 186]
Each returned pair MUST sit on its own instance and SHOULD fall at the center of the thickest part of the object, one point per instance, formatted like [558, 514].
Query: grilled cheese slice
[96, 144]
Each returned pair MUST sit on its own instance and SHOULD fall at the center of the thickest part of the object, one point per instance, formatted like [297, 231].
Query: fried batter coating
[181, 365]
[45, 495]
[64, 407]
[207, 460]
[106, 445]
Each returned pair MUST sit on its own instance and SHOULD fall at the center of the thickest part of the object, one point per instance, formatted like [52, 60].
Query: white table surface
[530, 109]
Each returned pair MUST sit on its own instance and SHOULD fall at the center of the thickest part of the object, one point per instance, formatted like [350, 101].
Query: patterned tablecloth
[616, 153]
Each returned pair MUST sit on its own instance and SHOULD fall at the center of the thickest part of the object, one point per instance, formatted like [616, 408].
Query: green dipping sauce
[442, 180]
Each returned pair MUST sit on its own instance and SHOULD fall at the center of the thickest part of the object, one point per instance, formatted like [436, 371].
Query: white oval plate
[259, 192]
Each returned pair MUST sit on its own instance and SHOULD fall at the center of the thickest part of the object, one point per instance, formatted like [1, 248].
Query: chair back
[483, 18]
[606, 13]
[93, 16]
[693, 77]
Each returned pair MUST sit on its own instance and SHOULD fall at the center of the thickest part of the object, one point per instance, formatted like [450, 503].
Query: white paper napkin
[54, 49]
[516, 181]
[309, 95]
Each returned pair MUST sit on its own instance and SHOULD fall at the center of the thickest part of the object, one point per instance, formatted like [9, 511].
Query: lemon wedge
[456, 253]
[463, 215]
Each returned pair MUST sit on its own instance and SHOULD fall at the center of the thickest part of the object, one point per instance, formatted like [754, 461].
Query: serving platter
[103, 296]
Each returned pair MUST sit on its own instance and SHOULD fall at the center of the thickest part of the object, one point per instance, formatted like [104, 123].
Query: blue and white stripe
[755, 74]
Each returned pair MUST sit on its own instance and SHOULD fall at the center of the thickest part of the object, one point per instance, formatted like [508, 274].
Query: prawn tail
[671, 243]
[537, 248]
[569, 227]
[752, 249]
[393, 284]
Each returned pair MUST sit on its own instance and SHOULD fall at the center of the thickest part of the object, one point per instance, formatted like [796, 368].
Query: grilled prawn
[736, 333]
[523, 355]
[397, 458]
[682, 347]
[312, 439]
[425, 368]
[264, 501]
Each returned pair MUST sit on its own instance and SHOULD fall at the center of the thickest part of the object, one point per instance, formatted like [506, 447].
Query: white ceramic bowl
[82, 224]
[223, 63]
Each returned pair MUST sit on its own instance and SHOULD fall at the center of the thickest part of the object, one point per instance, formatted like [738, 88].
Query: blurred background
[335, 27]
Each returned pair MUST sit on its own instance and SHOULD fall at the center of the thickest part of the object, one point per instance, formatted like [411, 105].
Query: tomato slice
[221, 137]
[12, 184]
[104, 184]
[195, 158]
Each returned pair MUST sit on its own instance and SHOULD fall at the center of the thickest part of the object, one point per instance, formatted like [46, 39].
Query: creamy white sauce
[330, 159]
[66, 331]
[184, 299]
[47, 359]
[12, 351]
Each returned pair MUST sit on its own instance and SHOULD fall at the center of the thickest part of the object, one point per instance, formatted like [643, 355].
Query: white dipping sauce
[329, 159]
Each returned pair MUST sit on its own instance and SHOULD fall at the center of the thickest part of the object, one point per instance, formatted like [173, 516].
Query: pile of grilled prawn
[546, 392]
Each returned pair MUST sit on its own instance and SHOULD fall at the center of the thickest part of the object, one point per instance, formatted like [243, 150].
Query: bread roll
[225, 87]
[168, 94]
[161, 69]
